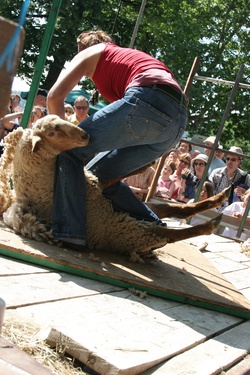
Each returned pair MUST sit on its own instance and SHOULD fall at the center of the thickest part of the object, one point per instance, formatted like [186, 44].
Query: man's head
[219, 153]
[81, 107]
[233, 161]
[41, 98]
[184, 147]
[14, 100]
[209, 142]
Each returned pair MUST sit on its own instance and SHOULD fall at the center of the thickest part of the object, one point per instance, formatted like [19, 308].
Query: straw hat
[236, 149]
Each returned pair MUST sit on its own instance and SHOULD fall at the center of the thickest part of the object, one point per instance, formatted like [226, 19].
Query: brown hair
[186, 156]
[186, 143]
[209, 188]
[90, 38]
[171, 164]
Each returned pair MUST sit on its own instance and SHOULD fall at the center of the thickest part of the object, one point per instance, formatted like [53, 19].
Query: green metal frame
[49, 31]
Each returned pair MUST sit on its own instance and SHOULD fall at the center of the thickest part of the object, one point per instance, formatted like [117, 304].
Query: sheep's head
[60, 134]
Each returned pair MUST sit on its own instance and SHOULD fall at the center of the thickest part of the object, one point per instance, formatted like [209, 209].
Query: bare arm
[7, 120]
[83, 64]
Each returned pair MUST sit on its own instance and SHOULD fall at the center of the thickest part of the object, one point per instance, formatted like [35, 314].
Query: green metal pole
[55, 8]
[226, 112]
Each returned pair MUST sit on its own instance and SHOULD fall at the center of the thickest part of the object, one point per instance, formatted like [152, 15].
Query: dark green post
[55, 8]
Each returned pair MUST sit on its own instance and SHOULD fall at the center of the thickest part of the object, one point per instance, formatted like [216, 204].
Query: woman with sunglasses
[69, 110]
[181, 174]
[231, 174]
[190, 181]
[14, 103]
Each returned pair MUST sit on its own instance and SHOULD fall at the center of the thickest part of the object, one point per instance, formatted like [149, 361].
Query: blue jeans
[137, 130]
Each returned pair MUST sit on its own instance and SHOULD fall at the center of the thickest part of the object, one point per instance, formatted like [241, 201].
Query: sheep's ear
[35, 143]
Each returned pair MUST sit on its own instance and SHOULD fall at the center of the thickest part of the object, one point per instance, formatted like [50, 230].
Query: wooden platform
[180, 273]
[97, 307]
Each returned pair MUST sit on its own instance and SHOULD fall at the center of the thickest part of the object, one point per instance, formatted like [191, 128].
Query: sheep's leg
[184, 211]
[174, 235]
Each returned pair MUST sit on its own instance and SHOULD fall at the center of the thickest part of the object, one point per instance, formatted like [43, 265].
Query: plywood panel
[181, 273]
[37, 288]
[10, 266]
[211, 357]
[120, 333]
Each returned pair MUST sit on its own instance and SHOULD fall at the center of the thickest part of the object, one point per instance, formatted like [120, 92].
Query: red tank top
[118, 66]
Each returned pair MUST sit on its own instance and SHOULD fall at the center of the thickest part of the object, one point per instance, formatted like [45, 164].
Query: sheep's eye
[51, 134]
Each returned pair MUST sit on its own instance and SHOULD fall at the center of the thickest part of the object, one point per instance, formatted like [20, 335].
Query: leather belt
[175, 94]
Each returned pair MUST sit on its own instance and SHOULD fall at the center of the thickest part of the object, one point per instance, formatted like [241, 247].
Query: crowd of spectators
[184, 168]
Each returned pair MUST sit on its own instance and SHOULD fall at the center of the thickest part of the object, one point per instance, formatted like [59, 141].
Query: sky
[19, 85]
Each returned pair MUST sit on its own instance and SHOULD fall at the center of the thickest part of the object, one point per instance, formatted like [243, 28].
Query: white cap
[210, 139]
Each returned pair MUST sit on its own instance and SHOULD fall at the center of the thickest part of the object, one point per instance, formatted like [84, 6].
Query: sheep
[29, 158]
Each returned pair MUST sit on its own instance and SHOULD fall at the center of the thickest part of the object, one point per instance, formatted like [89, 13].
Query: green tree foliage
[173, 31]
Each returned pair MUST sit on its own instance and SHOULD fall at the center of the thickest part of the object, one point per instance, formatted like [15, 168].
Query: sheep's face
[60, 134]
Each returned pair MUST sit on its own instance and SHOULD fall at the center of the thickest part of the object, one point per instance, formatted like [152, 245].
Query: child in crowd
[237, 210]
[166, 186]
[207, 191]
[37, 113]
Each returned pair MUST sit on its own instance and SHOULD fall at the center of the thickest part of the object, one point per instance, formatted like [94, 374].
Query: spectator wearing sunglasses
[181, 174]
[231, 174]
[190, 181]
[14, 103]
[81, 108]
[199, 164]
[216, 162]
[69, 110]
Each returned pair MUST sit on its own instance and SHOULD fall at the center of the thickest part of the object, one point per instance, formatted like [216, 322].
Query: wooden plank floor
[118, 330]
[180, 273]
